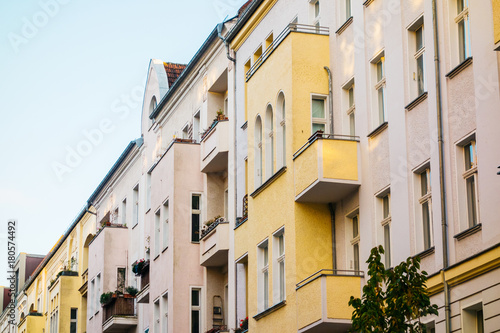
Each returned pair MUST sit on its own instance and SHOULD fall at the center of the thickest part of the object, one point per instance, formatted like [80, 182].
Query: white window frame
[197, 126]
[196, 307]
[71, 320]
[269, 141]
[157, 232]
[185, 131]
[263, 275]
[164, 312]
[473, 318]
[354, 240]
[472, 218]
[148, 191]
[416, 89]
[385, 224]
[320, 121]
[258, 158]
[315, 12]
[166, 223]
[279, 277]
[136, 201]
[156, 316]
[196, 212]
[124, 212]
[379, 84]
[425, 200]
[464, 51]
[281, 128]
[350, 105]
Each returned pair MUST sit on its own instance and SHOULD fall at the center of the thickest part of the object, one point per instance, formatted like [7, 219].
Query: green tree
[393, 300]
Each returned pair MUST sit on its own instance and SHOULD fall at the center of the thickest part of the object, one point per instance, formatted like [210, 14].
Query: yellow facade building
[54, 297]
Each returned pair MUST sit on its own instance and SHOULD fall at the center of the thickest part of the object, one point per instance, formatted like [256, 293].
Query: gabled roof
[173, 71]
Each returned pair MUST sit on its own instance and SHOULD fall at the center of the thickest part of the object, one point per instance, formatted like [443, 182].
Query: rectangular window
[279, 287]
[425, 202]
[195, 217]
[351, 110]
[319, 120]
[380, 88]
[470, 177]
[462, 21]
[97, 296]
[226, 205]
[157, 233]
[91, 296]
[419, 57]
[124, 212]
[263, 278]
[348, 13]
[164, 310]
[148, 191]
[355, 242]
[136, 204]
[166, 214]
[73, 320]
[196, 127]
[156, 316]
[473, 319]
[384, 213]
[120, 279]
[185, 132]
[195, 310]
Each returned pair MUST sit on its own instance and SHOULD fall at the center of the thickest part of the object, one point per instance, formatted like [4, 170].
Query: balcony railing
[292, 27]
[214, 244]
[119, 315]
[322, 300]
[326, 168]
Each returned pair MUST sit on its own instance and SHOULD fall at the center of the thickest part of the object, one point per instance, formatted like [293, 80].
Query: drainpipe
[330, 93]
[444, 225]
[235, 174]
[331, 206]
[87, 209]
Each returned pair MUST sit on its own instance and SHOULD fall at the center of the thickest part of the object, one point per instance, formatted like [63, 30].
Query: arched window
[281, 131]
[152, 105]
[269, 142]
[258, 152]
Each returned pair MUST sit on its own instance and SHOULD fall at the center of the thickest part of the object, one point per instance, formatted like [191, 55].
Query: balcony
[85, 280]
[322, 301]
[214, 244]
[118, 315]
[143, 295]
[33, 322]
[326, 168]
[215, 147]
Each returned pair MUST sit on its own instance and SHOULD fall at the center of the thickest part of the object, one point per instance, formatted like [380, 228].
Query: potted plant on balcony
[220, 115]
[106, 298]
[243, 326]
[138, 266]
[132, 291]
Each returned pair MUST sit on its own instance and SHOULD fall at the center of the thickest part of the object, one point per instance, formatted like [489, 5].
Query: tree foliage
[393, 300]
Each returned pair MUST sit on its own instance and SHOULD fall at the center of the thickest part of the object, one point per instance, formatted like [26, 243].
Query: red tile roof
[242, 8]
[173, 71]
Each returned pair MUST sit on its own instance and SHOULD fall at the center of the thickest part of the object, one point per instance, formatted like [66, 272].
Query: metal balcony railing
[319, 136]
[328, 272]
[292, 27]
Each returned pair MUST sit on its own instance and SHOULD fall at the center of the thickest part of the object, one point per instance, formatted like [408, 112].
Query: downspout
[235, 173]
[444, 225]
[330, 94]
[334, 239]
[87, 209]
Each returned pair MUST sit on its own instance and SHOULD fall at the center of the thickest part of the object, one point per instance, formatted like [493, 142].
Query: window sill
[269, 310]
[344, 26]
[157, 256]
[426, 253]
[268, 182]
[367, 3]
[245, 125]
[379, 129]
[165, 249]
[454, 72]
[135, 225]
[240, 223]
[147, 211]
[416, 101]
[466, 233]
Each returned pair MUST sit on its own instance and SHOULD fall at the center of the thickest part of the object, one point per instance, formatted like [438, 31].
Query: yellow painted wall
[340, 159]
[496, 19]
[309, 307]
[305, 168]
[339, 290]
[296, 69]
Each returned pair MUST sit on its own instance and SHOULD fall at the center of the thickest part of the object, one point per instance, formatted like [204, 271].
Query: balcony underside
[119, 324]
[143, 295]
[217, 163]
[218, 258]
[327, 190]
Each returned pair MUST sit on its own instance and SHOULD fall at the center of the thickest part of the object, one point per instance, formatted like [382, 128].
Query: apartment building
[345, 108]
[50, 300]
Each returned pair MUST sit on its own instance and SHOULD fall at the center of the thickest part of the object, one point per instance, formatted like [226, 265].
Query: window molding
[367, 3]
[268, 182]
[344, 26]
[463, 65]
[269, 310]
[378, 130]
[416, 101]
[470, 231]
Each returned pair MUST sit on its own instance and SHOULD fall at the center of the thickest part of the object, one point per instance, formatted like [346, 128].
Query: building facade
[301, 135]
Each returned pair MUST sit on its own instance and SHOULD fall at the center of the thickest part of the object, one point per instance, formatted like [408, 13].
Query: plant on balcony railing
[139, 265]
[211, 225]
[243, 326]
[132, 291]
[245, 207]
[106, 298]
[109, 296]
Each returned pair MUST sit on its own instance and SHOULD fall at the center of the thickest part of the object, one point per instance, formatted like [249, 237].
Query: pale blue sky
[64, 66]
